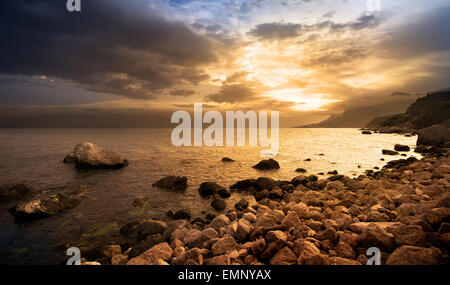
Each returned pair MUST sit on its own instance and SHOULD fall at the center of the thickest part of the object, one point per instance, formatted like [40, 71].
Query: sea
[34, 157]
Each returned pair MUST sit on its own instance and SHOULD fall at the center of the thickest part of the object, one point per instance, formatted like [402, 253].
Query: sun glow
[309, 102]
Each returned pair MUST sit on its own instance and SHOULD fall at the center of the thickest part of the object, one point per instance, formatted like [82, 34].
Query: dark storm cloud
[233, 93]
[182, 92]
[425, 34]
[111, 46]
[280, 31]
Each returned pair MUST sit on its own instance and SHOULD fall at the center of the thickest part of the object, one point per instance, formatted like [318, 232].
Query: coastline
[402, 209]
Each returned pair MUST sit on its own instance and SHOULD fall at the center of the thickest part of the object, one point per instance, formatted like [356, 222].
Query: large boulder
[374, 236]
[413, 255]
[175, 183]
[434, 135]
[44, 207]
[15, 192]
[89, 155]
[267, 164]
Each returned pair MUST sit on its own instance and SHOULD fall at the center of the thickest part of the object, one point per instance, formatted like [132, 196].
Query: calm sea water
[34, 156]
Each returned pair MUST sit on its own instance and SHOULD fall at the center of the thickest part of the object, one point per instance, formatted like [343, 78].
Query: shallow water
[34, 156]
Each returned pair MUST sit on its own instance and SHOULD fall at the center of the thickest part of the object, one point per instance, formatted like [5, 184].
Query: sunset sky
[132, 63]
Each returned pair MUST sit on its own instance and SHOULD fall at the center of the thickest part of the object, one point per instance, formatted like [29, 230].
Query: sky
[133, 63]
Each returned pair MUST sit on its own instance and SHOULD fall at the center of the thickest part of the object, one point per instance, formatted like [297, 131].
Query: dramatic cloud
[108, 47]
[233, 93]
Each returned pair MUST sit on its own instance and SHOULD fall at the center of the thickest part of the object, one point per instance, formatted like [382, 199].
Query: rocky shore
[402, 209]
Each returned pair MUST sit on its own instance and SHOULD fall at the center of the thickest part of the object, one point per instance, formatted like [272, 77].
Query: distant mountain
[429, 110]
[360, 117]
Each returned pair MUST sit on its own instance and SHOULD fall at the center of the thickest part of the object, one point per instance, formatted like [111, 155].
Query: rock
[243, 230]
[112, 250]
[183, 214]
[445, 239]
[241, 205]
[262, 195]
[334, 172]
[219, 222]
[328, 234]
[343, 261]
[227, 159]
[264, 183]
[218, 260]
[389, 152]
[284, 256]
[150, 257]
[89, 155]
[224, 193]
[408, 235]
[374, 236]
[196, 239]
[258, 246]
[243, 184]
[150, 227]
[413, 255]
[305, 250]
[344, 250]
[444, 201]
[224, 245]
[276, 236]
[366, 132]
[435, 135]
[276, 193]
[119, 259]
[44, 207]
[175, 183]
[400, 147]
[267, 164]
[209, 188]
[301, 170]
[219, 204]
[291, 220]
[16, 192]
[139, 202]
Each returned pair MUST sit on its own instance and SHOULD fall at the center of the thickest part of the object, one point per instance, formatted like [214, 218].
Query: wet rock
[389, 152]
[175, 183]
[227, 159]
[400, 147]
[301, 170]
[243, 184]
[267, 164]
[264, 183]
[241, 205]
[366, 132]
[152, 256]
[183, 214]
[209, 188]
[262, 195]
[433, 136]
[284, 256]
[150, 227]
[44, 207]
[219, 204]
[89, 155]
[334, 172]
[112, 250]
[16, 192]
[276, 193]
[224, 193]
[413, 255]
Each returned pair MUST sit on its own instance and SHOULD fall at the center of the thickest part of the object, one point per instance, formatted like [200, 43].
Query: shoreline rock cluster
[403, 209]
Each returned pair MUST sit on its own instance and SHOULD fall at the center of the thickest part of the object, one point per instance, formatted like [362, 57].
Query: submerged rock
[389, 152]
[400, 147]
[267, 164]
[44, 207]
[175, 183]
[89, 155]
[210, 188]
[16, 192]
[227, 159]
